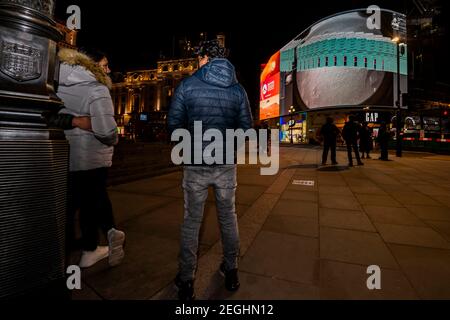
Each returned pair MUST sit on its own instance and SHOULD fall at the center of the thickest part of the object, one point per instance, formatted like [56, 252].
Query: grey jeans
[196, 181]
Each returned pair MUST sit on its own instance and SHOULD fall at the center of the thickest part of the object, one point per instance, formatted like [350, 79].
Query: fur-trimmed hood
[75, 59]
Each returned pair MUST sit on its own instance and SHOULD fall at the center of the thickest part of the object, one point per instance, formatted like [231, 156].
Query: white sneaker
[116, 239]
[89, 258]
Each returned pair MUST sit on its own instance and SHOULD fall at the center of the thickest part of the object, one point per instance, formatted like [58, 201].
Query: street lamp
[291, 125]
[398, 102]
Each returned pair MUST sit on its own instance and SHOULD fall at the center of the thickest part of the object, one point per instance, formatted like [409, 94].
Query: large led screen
[270, 89]
[345, 61]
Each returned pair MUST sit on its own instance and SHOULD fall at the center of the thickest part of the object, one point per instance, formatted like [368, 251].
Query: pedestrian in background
[365, 141]
[350, 135]
[329, 133]
[383, 141]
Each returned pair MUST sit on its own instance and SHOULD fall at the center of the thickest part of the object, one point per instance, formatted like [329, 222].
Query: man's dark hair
[210, 48]
[94, 53]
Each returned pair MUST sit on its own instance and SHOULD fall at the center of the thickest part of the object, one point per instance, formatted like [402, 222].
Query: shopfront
[293, 129]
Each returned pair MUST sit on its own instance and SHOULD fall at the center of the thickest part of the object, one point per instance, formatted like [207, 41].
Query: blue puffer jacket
[213, 96]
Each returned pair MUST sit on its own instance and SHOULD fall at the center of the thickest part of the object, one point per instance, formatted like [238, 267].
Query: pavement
[297, 241]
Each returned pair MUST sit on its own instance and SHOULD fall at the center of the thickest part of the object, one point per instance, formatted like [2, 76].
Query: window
[326, 61]
[355, 62]
[382, 65]
[345, 60]
[335, 61]
[365, 62]
[375, 64]
[318, 62]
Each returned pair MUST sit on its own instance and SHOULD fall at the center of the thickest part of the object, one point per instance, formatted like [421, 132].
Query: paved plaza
[297, 241]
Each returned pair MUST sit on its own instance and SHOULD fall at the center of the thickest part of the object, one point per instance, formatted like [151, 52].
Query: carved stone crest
[20, 62]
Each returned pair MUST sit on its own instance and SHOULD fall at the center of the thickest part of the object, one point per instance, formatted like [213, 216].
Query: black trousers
[327, 145]
[88, 193]
[353, 147]
[384, 151]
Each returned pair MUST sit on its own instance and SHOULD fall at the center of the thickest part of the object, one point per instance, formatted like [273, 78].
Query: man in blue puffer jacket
[213, 96]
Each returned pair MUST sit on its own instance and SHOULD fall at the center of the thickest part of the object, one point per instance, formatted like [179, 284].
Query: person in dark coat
[350, 135]
[214, 97]
[365, 141]
[329, 133]
[383, 141]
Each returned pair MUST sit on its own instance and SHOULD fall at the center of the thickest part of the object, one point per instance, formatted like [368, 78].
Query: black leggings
[88, 193]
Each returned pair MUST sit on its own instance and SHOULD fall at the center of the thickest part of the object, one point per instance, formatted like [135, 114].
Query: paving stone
[149, 264]
[331, 181]
[430, 212]
[388, 188]
[292, 225]
[147, 186]
[378, 200]
[256, 287]
[356, 247]
[258, 179]
[427, 269]
[343, 219]
[392, 215]
[445, 200]
[431, 190]
[127, 206]
[177, 176]
[175, 192]
[443, 227]
[164, 221]
[368, 189]
[300, 195]
[296, 208]
[339, 202]
[284, 257]
[336, 190]
[413, 198]
[247, 195]
[414, 236]
[345, 281]
[85, 294]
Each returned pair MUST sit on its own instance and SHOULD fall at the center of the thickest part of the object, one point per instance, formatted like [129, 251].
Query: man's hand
[84, 123]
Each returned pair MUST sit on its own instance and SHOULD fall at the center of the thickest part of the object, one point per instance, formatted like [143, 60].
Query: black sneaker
[185, 289]
[231, 278]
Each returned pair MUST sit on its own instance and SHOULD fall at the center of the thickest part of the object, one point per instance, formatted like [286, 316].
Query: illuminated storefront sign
[270, 89]
[372, 117]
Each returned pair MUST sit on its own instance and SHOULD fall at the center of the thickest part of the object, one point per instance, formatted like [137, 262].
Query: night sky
[135, 33]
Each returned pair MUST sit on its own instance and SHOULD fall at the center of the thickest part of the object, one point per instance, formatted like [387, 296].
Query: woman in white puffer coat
[84, 87]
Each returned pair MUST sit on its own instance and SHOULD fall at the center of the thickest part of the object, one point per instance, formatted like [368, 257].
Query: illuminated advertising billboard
[346, 60]
[270, 89]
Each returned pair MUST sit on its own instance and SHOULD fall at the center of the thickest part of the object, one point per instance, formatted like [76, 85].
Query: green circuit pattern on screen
[380, 55]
